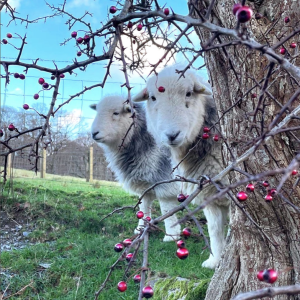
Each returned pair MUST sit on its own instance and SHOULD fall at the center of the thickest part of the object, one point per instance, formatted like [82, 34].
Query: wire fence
[65, 163]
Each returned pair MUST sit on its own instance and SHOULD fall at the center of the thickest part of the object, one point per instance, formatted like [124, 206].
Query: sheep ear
[201, 87]
[127, 108]
[141, 96]
[93, 106]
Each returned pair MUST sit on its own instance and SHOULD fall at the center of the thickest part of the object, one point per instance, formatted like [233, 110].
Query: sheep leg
[216, 224]
[172, 232]
[145, 207]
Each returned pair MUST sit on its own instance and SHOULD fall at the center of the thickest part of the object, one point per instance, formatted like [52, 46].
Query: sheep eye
[116, 113]
[153, 98]
[188, 94]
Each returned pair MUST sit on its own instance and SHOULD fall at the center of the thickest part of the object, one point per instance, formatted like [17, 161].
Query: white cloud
[17, 91]
[14, 3]
[70, 119]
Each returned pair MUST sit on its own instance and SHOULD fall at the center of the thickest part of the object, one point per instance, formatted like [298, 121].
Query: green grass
[70, 237]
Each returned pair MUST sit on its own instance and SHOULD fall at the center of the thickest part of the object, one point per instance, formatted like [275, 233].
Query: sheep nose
[172, 137]
[94, 134]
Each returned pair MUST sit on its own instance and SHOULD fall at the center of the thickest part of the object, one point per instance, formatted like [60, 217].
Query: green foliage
[70, 237]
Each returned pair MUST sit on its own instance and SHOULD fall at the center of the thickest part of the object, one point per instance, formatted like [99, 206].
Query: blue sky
[43, 42]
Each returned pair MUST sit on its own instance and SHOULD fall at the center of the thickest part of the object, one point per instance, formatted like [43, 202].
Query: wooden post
[8, 166]
[90, 163]
[43, 163]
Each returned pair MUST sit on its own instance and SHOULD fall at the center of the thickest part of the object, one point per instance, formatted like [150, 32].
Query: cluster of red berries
[21, 76]
[4, 41]
[242, 13]
[147, 291]
[269, 276]
[182, 252]
[243, 196]
[205, 134]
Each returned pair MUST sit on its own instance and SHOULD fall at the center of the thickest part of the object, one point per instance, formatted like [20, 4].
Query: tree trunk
[233, 71]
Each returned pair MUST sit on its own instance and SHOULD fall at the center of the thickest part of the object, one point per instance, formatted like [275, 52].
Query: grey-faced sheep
[139, 163]
[176, 118]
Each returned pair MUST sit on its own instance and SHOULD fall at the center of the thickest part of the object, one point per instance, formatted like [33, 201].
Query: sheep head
[112, 120]
[176, 115]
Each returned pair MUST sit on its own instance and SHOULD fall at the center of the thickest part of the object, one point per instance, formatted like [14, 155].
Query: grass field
[70, 237]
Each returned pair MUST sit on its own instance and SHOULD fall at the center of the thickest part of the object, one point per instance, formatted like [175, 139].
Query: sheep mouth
[100, 140]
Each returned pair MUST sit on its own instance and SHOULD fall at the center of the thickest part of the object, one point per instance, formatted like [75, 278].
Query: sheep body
[176, 118]
[139, 163]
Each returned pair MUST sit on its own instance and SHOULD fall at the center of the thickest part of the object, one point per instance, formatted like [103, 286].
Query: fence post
[8, 166]
[89, 173]
[43, 164]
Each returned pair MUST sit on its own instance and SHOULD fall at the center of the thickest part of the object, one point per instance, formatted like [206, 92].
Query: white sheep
[176, 117]
[139, 163]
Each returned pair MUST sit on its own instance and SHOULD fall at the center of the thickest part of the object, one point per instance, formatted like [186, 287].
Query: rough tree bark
[248, 250]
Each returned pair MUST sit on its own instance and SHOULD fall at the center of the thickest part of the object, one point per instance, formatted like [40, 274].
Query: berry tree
[251, 52]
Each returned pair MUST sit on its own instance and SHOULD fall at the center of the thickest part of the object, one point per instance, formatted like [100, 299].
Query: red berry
[52, 77]
[139, 214]
[265, 183]
[1, 133]
[62, 75]
[9, 35]
[36, 96]
[205, 136]
[181, 197]
[260, 275]
[41, 80]
[22, 76]
[161, 89]
[139, 27]
[148, 219]
[270, 275]
[294, 172]
[272, 192]
[113, 10]
[216, 137]
[244, 14]
[122, 286]
[186, 232]
[180, 244]
[282, 50]
[118, 247]
[182, 253]
[74, 34]
[242, 196]
[25, 106]
[253, 95]
[286, 19]
[45, 85]
[86, 38]
[236, 7]
[129, 25]
[166, 11]
[127, 242]
[206, 129]
[79, 40]
[268, 198]
[137, 278]
[147, 292]
[250, 187]
[16, 75]
[293, 45]
[11, 127]
[4, 41]
[79, 53]
[129, 257]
